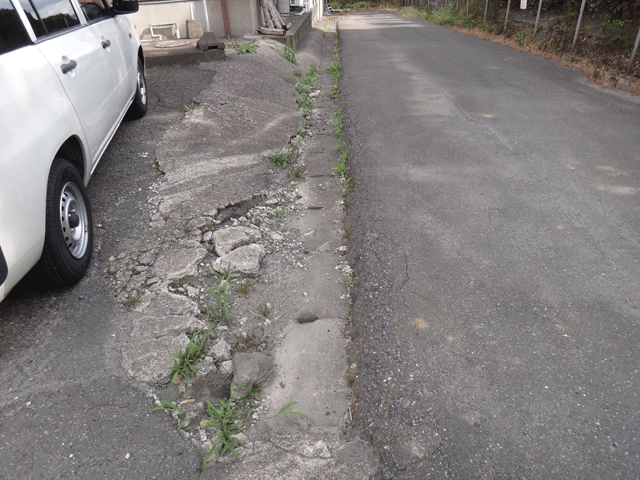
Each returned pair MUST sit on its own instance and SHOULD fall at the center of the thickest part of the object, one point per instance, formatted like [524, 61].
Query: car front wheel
[138, 108]
[69, 226]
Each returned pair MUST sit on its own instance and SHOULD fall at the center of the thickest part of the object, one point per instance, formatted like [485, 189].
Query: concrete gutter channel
[217, 188]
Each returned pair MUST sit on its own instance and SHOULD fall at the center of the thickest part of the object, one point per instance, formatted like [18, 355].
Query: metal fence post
[633, 54]
[535, 29]
[486, 7]
[575, 37]
[507, 17]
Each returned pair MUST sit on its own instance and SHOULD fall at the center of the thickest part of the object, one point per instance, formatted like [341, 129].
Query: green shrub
[613, 32]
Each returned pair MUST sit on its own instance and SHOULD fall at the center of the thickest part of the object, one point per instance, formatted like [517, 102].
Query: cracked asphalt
[493, 228]
[63, 412]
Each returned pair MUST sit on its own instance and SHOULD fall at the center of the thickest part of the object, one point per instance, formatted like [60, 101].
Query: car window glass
[12, 32]
[34, 19]
[94, 9]
[56, 14]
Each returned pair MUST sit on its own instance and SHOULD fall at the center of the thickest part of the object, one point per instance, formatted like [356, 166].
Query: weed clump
[289, 52]
[280, 158]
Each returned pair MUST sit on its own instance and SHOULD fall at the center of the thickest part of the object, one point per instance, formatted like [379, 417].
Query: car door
[118, 49]
[77, 57]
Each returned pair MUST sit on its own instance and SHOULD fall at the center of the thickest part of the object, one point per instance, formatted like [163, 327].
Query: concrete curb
[299, 31]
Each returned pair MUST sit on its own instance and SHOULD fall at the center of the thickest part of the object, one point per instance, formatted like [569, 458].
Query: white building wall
[243, 17]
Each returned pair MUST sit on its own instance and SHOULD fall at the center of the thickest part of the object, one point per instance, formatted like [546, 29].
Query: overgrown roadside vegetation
[602, 49]
[344, 182]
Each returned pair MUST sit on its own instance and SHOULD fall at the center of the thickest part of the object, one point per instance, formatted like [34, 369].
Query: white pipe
[206, 15]
[191, 11]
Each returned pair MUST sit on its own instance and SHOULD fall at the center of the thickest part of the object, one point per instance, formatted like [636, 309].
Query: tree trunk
[267, 17]
[271, 31]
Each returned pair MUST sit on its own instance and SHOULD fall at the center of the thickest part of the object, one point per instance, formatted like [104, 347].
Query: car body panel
[49, 108]
[36, 99]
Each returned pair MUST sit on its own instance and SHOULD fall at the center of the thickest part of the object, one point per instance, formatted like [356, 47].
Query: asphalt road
[66, 411]
[494, 226]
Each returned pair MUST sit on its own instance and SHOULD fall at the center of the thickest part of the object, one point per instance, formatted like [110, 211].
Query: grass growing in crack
[296, 172]
[309, 81]
[334, 70]
[341, 168]
[191, 106]
[263, 200]
[183, 362]
[228, 419]
[245, 286]
[253, 340]
[344, 186]
[335, 67]
[302, 127]
[351, 280]
[289, 52]
[280, 158]
[304, 85]
[172, 407]
[265, 310]
[334, 93]
[245, 242]
[278, 212]
[340, 145]
[208, 225]
[286, 411]
[129, 302]
[168, 407]
[337, 120]
[304, 102]
[249, 47]
[221, 293]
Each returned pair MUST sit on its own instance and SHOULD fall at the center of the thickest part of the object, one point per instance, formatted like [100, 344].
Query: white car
[70, 70]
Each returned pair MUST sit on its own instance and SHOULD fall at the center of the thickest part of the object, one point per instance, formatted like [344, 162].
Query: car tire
[138, 108]
[69, 226]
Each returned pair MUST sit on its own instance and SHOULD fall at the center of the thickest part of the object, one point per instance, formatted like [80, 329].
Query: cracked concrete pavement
[218, 206]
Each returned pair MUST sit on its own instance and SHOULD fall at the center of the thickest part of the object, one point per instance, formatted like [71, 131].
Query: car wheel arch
[72, 151]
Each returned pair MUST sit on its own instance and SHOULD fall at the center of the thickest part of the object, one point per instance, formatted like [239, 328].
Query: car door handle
[67, 67]
[106, 43]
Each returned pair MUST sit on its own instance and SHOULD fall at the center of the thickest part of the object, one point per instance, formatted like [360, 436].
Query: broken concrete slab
[244, 260]
[307, 447]
[221, 351]
[228, 239]
[282, 464]
[164, 325]
[250, 369]
[178, 263]
[151, 360]
[167, 303]
[311, 365]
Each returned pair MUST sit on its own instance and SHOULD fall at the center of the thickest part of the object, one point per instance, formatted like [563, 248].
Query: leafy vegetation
[249, 47]
[184, 361]
[218, 312]
[229, 418]
[289, 52]
[280, 158]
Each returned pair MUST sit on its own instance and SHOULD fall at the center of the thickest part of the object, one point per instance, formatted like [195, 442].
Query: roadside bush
[613, 33]
[446, 16]
[415, 12]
